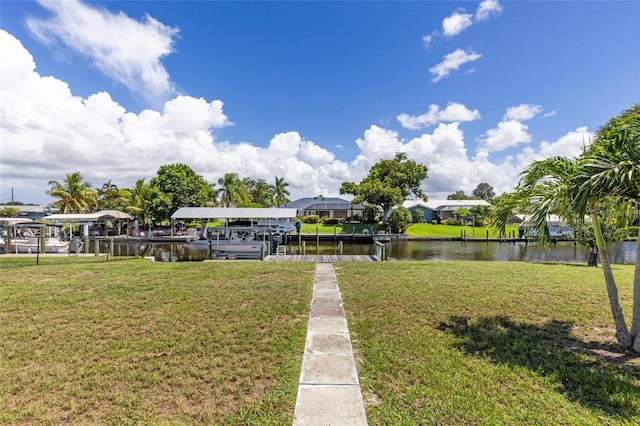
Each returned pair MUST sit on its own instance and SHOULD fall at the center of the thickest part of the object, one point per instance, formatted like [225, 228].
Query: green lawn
[454, 343]
[415, 230]
[86, 341]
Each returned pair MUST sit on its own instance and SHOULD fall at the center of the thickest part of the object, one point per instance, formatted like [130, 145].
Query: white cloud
[549, 114]
[427, 39]
[452, 62]
[522, 112]
[569, 145]
[47, 132]
[456, 23]
[510, 131]
[125, 50]
[508, 134]
[453, 112]
[488, 8]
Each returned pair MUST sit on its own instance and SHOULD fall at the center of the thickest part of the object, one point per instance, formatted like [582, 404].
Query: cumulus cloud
[452, 62]
[125, 50]
[453, 112]
[47, 132]
[510, 131]
[456, 23]
[522, 112]
[487, 9]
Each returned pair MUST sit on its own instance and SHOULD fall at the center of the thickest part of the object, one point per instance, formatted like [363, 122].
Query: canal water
[622, 252]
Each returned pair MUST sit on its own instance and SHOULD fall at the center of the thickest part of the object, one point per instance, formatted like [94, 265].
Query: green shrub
[332, 220]
[313, 218]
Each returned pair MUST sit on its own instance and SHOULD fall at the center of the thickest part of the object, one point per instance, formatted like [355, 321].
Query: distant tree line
[174, 186]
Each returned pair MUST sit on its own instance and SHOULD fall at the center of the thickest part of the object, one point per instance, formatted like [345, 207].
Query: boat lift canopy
[233, 213]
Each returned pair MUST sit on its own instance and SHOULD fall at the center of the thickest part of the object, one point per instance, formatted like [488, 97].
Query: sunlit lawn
[415, 230]
[84, 341]
[489, 343]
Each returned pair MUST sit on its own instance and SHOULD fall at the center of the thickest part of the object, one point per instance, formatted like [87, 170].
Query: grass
[489, 343]
[130, 341]
[86, 341]
[415, 230]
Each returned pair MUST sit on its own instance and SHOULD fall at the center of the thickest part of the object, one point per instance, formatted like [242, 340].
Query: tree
[281, 192]
[559, 186]
[9, 211]
[484, 191]
[112, 198]
[259, 192]
[175, 186]
[613, 167]
[458, 195]
[232, 190]
[73, 195]
[400, 219]
[138, 202]
[388, 183]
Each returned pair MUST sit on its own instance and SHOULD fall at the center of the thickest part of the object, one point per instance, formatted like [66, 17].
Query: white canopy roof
[87, 217]
[233, 213]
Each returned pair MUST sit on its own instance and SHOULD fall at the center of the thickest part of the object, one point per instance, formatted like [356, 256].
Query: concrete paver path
[328, 391]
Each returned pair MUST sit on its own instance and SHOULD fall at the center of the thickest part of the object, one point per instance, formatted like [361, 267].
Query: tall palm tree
[281, 192]
[110, 197]
[558, 186]
[73, 195]
[138, 201]
[231, 190]
[613, 167]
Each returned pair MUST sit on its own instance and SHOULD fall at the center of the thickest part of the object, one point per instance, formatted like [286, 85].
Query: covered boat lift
[255, 215]
[101, 218]
[240, 238]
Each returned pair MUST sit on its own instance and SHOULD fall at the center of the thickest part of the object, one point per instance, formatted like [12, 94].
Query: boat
[248, 236]
[32, 245]
[232, 242]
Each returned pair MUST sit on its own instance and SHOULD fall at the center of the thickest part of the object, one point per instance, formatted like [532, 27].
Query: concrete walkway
[328, 391]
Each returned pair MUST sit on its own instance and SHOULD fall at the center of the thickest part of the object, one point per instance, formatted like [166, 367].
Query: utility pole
[12, 195]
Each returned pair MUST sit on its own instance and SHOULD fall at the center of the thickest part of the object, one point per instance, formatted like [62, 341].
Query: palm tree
[110, 197]
[281, 192]
[231, 190]
[138, 201]
[73, 195]
[559, 186]
[613, 167]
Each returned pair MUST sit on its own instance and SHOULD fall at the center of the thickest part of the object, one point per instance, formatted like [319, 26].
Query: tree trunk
[622, 332]
[635, 320]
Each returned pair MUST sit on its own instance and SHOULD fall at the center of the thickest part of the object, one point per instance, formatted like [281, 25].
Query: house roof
[444, 205]
[319, 203]
[233, 213]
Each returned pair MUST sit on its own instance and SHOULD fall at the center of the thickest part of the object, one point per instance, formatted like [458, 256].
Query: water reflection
[623, 252]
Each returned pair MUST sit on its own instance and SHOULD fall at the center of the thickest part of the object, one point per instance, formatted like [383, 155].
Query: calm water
[623, 252]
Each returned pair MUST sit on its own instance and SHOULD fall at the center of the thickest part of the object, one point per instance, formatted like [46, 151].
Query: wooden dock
[330, 258]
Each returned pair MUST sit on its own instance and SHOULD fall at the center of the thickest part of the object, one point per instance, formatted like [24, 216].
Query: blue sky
[315, 92]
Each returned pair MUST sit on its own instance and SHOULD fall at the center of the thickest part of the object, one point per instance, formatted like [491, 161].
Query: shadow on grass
[585, 378]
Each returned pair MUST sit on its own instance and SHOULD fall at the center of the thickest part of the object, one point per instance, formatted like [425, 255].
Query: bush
[400, 219]
[314, 218]
[332, 220]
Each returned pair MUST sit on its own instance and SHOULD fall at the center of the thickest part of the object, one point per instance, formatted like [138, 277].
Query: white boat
[231, 242]
[32, 245]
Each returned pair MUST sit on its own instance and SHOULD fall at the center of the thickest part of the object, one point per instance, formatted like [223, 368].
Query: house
[437, 210]
[32, 212]
[326, 207]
